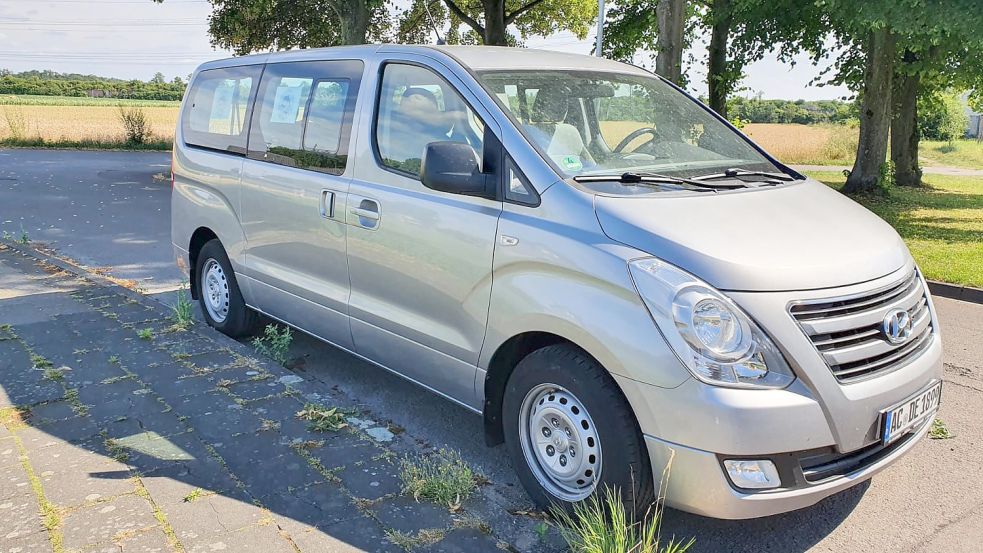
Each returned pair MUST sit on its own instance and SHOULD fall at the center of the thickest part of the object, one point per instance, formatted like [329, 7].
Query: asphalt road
[105, 209]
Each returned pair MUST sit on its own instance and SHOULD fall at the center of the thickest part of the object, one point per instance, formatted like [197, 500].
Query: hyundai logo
[897, 326]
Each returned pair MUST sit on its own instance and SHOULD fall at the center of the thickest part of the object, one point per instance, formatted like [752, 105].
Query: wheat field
[74, 123]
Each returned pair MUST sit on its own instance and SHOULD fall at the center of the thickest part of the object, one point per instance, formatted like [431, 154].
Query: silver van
[607, 272]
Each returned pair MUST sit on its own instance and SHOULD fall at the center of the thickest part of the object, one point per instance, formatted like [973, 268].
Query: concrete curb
[956, 292]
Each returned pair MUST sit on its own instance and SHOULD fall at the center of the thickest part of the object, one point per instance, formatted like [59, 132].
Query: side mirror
[452, 167]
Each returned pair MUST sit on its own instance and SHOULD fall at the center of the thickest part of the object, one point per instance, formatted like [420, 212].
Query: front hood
[797, 237]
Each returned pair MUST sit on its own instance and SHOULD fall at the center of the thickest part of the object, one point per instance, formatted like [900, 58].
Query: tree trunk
[717, 69]
[672, 20]
[354, 16]
[904, 131]
[875, 113]
[496, 31]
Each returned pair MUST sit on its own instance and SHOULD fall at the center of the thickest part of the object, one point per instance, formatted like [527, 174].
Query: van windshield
[600, 123]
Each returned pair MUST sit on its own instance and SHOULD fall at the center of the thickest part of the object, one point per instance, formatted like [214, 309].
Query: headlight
[711, 336]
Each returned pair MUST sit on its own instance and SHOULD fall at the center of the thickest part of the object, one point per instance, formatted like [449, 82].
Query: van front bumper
[697, 482]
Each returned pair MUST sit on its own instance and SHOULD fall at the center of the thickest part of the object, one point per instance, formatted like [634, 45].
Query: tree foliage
[942, 116]
[490, 19]
[50, 83]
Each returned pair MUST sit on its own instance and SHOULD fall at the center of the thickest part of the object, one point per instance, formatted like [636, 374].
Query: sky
[137, 38]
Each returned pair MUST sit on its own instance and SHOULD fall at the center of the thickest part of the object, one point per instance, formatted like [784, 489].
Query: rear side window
[216, 114]
[303, 114]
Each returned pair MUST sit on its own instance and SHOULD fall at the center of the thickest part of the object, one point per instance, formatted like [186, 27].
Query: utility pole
[600, 27]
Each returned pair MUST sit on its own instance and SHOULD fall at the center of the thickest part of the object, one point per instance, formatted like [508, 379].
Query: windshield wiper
[654, 178]
[738, 173]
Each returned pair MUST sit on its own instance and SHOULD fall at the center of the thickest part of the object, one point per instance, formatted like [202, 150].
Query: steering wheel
[635, 134]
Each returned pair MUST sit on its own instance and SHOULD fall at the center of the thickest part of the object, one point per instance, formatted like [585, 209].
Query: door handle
[326, 205]
[367, 212]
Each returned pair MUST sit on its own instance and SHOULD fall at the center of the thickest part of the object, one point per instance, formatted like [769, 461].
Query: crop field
[64, 120]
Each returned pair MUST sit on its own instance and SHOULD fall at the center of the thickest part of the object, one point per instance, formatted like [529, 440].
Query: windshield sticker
[572, 163]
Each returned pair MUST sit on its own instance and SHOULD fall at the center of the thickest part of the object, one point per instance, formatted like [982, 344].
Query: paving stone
[223, 423]
[161, 424]
[465, 540]
[152, 540]
[258, 389]
[148, 452]
[50, 412]
[361, 533]
[186, 343]
[37, 541]
[318, 505]
[277, 476]
[280, 409]
[35, 438]
[73, 476]
[197, 522]
[310, 538]
[75, 430]
[212, 360]
[371, 479]
[19, 516]
[100, 522]
[342, 449]
[22, 383]
[9, 458]
[405, 514]
[172, 483]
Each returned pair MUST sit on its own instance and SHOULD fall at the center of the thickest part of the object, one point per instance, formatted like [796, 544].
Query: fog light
[753, 474]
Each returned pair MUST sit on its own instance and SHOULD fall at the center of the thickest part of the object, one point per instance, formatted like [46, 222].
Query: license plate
[898, 420]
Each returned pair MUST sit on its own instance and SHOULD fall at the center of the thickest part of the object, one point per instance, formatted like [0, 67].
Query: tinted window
[216, 113]
[304, 113]
[417, 107]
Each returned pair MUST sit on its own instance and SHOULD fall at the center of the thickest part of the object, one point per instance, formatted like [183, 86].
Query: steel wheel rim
[215, 290]
[560, 442]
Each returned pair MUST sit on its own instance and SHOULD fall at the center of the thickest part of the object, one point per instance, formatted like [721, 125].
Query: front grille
[847, 330]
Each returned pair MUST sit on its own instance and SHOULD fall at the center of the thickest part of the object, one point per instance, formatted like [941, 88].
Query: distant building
[974, 129]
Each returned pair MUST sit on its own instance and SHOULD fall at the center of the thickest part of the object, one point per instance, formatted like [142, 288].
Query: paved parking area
[121, 434]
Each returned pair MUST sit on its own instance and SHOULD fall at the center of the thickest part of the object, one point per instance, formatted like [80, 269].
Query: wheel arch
[200, 237]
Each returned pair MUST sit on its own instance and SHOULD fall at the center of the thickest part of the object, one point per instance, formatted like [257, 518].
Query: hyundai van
[608, 273]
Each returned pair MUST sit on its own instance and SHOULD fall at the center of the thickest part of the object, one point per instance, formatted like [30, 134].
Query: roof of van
[478, 58]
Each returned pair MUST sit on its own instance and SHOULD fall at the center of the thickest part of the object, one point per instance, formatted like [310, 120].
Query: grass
[443, 478]
[409, 542]
[145, 334]
[965, 153]
[942, 223]
[322, 419]
[939, 431]
[39, 362]
[195, 495]
[274, 343]
[84, 144]
[605, 526]
[183, 311]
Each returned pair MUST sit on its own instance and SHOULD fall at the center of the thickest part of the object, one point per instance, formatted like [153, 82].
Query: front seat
[562, 141]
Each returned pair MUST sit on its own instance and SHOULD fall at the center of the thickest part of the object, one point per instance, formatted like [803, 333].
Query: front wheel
[570, 431]
[218, 293]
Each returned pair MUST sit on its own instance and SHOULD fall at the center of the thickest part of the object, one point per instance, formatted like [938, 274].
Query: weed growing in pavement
[939, 431]
[267, 425]
[145, 334]
[408, 542]
[183, 311]
[116, 451]
[322, 419]
[542, 529]
[7, 236]
[195, 495]
[14, 417]
[274, 343]
[54, 375]
[443, 478]
[24, 238]
[114, 360]
[606, 526]
[72, 397]
[39, 362]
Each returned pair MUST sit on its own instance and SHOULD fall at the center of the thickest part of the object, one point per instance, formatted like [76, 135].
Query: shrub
[136, 126]
[942, 116]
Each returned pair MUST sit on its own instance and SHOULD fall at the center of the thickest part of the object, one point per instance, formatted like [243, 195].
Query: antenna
[440, 39]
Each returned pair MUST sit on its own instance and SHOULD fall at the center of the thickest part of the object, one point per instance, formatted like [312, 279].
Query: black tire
[624, 458]
[240, 320]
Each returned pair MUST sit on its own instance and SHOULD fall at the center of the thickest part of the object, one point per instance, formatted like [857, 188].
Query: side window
[417, 107]
[216, 113]
[303, 115]
[517, 188]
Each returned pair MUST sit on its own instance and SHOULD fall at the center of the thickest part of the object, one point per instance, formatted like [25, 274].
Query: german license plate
[898, 420]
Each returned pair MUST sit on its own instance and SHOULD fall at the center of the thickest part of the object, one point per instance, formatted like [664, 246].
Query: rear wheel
[570, 431]
[218, 293]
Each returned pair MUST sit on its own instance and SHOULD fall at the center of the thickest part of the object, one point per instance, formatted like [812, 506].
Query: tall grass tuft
[603, 524]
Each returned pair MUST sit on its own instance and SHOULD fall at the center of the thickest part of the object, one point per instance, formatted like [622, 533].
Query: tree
[246, 26]
[159, 78]
[671, 21]
[490, 19]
